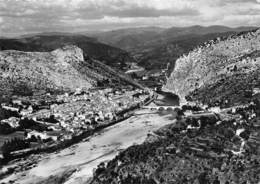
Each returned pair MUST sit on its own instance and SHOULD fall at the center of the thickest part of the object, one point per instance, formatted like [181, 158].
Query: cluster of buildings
[71, 114]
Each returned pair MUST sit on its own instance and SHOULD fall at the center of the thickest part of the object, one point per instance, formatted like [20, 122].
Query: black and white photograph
[129, 91]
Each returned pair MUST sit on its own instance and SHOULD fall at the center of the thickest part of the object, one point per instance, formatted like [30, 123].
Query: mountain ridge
[62, 70]
[215, 65]
[114, 36]
[45, 43]
[155, 49]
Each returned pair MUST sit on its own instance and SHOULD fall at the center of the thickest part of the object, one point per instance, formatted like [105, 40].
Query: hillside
[221, 70]
[158, 56]
[64, 69]
[154, 47]
[47, 42]
[217, 152]
[203, 145]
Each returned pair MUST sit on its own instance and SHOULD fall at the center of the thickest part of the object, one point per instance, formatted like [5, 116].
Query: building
[43, 135]
[10, 108]
[26, 112]
[12, 121]
[256, 91]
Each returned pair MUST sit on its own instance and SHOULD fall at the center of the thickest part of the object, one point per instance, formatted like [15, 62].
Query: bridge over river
[160, 107]
[80, 159]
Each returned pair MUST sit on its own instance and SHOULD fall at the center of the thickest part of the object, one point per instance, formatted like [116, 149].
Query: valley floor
[78, 161]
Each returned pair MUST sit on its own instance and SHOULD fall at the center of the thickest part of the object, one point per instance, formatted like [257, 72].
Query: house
[157, 74]
[97, 119]
[215, 109]
[145, 77]
[17, 102]
[10, 108]
[36, 134]
[44, 113]
[78, 91]
[101, 116]
[256, 91]
[27, 111]
[43, 135]
[66, 136]
[87, 121]
[54, 135]
[12, 121]
[109, 116]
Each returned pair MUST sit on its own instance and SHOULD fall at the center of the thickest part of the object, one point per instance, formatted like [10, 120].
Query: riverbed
[101, 147]
[81, 159]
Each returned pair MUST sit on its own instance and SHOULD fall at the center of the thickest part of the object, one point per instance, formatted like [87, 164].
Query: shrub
[30, 124]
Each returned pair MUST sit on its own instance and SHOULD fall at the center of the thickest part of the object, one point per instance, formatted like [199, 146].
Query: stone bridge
[160, 107]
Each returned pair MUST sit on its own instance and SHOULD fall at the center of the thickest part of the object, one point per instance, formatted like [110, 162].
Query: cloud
[24, 16]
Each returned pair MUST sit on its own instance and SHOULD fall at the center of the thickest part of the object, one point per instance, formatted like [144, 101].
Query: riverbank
[202, 147]
[83, 157]
[121, 116]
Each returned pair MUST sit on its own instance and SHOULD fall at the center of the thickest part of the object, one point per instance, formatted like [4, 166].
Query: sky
[19, 17]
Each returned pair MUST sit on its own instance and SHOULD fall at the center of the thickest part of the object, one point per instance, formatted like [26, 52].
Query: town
[48, 121]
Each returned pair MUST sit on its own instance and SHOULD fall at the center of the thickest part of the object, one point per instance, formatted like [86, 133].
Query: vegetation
[31, 124]
[228, 91]
[184, 155]
[6, 129]
[203, 148]
[14, 145]
[5, 114]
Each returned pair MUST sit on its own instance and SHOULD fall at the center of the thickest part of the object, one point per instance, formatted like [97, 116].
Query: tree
[6, 129]
[51, 119]
[22, 89]
[5, 114]
[14, 145]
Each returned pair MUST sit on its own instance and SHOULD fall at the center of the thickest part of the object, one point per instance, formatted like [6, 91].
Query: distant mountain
[200, 30]
[47, 42]
[128, 42]
[128, 38]
[154, 47]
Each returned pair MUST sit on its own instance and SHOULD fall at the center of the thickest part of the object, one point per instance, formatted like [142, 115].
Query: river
[101, 147]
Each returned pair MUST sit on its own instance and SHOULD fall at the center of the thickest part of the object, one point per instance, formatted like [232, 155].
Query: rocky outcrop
[48, 42]
[218, 64]
[27, 72]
